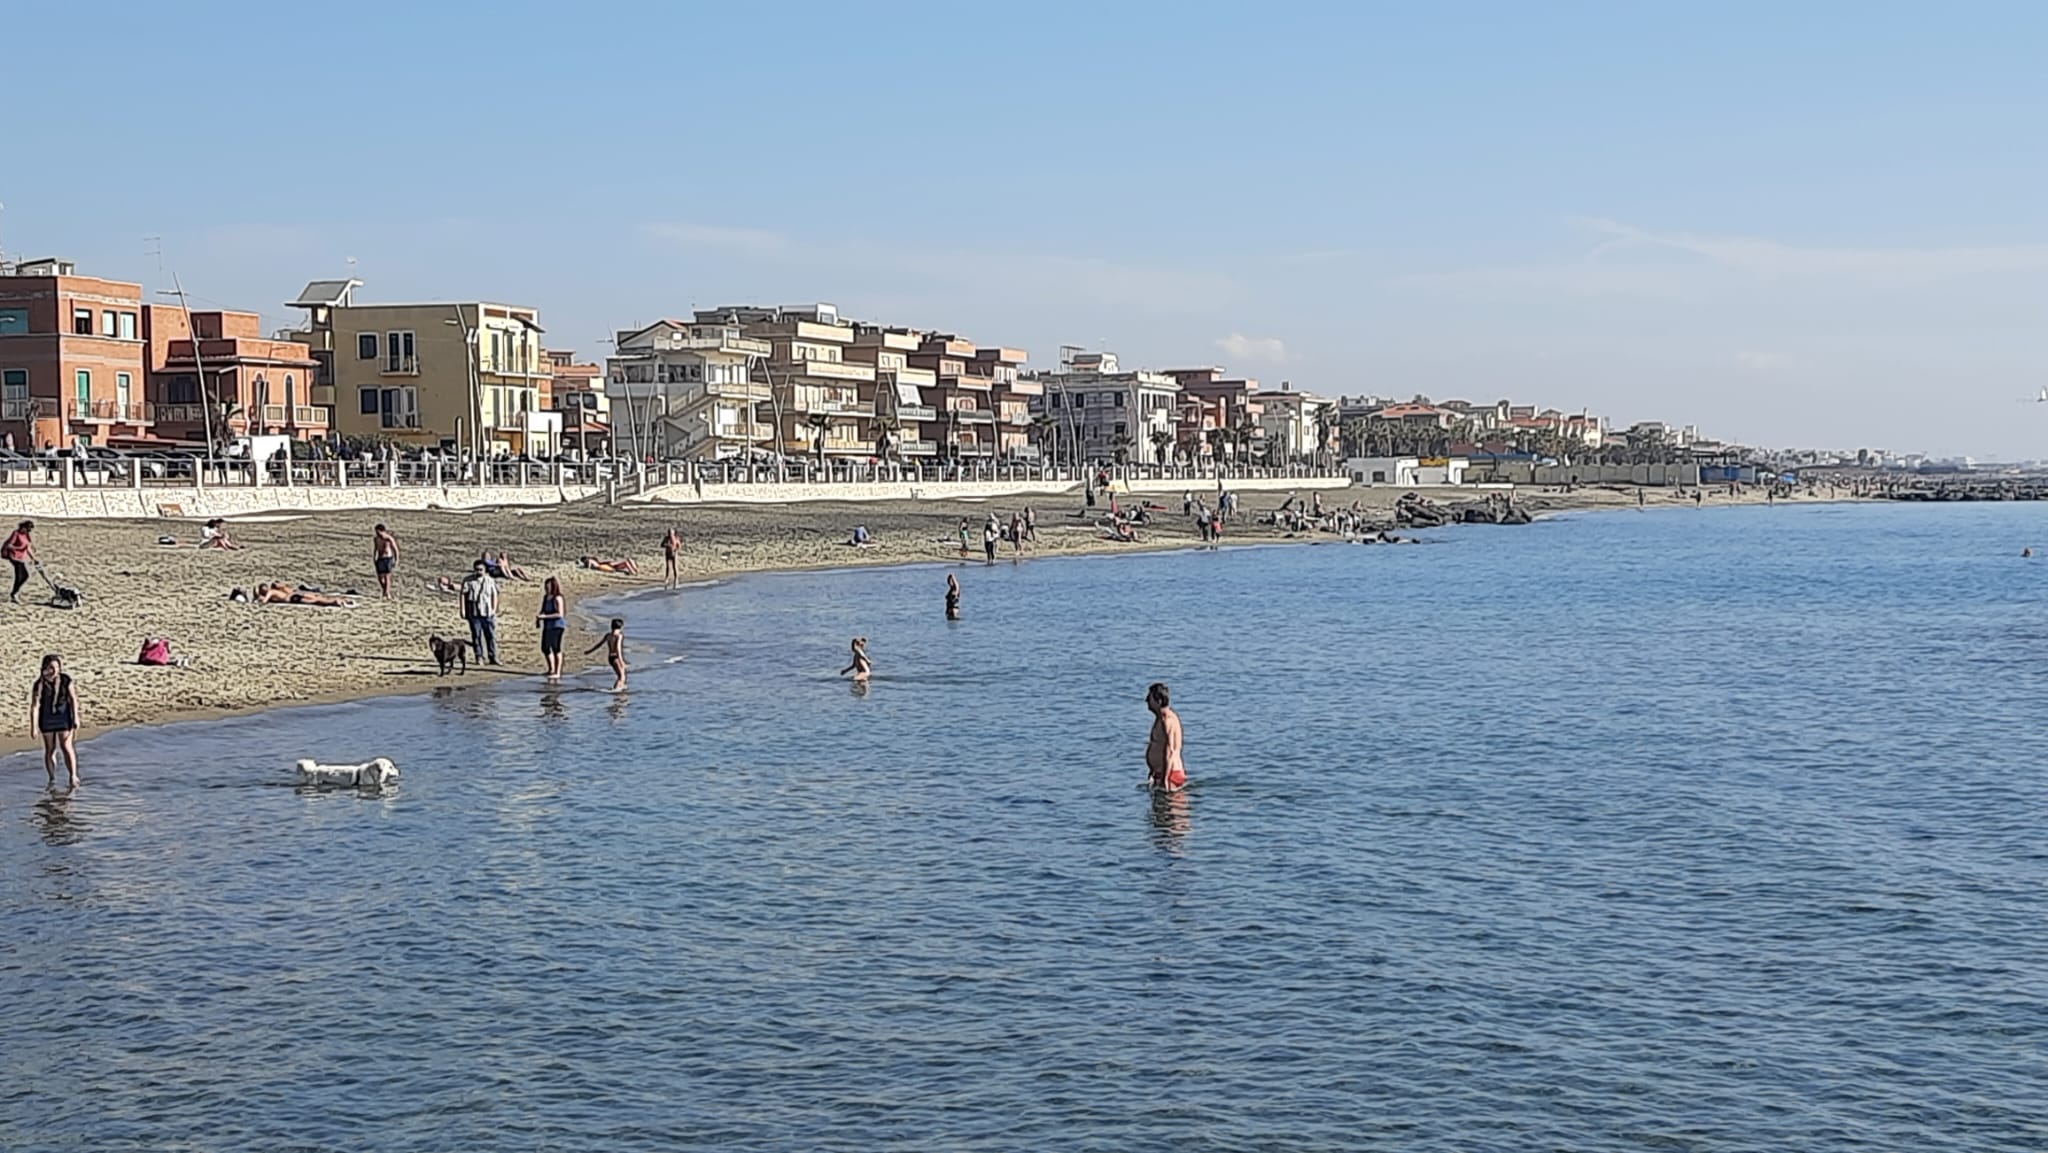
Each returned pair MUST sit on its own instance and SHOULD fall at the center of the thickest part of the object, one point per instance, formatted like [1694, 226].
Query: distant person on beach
[480, 609]
[624, 565]
[1016, 532]
[990, 533]
[965, 537]
[20, 552]
[553, 623]
[671, 558]
[1163, 768]
[613, 642]
[53, 715]
[214, 534]
[952, 597]
[384, 556]
[861, 667]
[1030, 524]
[504, 569]
[280, 593]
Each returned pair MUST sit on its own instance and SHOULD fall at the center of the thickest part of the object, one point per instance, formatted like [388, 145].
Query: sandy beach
[246, 657]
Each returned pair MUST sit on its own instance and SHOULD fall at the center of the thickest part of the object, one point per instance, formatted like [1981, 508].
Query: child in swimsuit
[614, 645]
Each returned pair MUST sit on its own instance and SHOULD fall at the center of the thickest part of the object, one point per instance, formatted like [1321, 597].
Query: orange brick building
[72, 365]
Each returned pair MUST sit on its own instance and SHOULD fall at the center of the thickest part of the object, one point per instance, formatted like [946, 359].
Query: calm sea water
[1683, 830]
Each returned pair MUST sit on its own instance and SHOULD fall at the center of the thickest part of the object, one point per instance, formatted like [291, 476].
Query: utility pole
[206, 406]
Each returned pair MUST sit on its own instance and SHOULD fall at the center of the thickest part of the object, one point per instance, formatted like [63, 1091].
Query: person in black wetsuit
[53, 714]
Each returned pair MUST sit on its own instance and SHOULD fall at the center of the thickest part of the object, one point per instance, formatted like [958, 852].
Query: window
[1119, 428]
[398, 352]
[14, 385]
[366, 349]
[127, 326]
[367, 400]
[291, 393]
[81, 322]
[1119, 402]
[323, 373]
[13, 321]
[124, 388]
[82, 386]
[182, 390]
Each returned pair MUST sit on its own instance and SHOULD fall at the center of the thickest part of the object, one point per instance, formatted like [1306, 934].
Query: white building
[679, 388]
[1406, 471]
[1106, 410]
[1289, 421]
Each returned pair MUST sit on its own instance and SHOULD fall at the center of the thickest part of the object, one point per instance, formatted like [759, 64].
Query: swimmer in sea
[614, 645]
[952, 597]
[1163, 768]
[861, 666]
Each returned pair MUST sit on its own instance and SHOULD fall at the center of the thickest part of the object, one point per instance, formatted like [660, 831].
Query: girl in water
[861, 666]
[53, 713]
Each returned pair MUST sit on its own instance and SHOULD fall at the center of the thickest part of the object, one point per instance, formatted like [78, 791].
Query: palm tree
[1123, 447]
[819, 422]
[1045, 431]
[886, 426]
[1326, 428]
[1215, 438]
[1161, 441]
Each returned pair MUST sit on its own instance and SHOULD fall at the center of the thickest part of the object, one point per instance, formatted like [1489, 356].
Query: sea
[1695, 830]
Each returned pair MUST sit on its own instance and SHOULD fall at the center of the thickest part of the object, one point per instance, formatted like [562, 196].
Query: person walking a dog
[20, 552]
[480, 609]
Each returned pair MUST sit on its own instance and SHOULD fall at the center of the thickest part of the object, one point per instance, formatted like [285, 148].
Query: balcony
[31, 408]
[309, 416]
[741, 391]
[111, 411]
[917, 448]
[402, 366]
[177, 413]
[916, 412]
[1024, 452]
[399, 420]
[973, 448]
[963, 380]
[973, 416]
[862, 408]
[829, 370]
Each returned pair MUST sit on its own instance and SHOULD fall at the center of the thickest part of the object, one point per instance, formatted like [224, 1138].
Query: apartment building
[1012, 394]
[684, 389]
[577, 391]
[1110, 414]
[72, 364]
[963, 393]
[458, 375]
[253, 384]
[1294, 424]
[1219, 414]
[906, 425]
[821, 402]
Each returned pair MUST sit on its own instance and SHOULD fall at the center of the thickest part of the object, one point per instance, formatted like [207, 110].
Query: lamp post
[198, 368]
[476, 402]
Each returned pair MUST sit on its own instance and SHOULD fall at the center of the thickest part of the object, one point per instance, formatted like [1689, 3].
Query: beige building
[465, 376]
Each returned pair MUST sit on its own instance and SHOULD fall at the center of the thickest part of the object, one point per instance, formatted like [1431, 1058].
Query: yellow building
[466, 376]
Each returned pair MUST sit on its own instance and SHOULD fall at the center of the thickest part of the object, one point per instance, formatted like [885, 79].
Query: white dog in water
[371, 774]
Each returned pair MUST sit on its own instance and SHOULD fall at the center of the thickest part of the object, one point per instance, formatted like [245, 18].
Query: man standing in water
[671, 549]
[952, 597]
[1163, 768]
[384, 557]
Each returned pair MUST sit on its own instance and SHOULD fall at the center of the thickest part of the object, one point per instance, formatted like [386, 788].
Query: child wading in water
[614, 645]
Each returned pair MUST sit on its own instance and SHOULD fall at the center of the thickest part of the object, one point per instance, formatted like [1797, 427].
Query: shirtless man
[671, 549]
[384, 555]
[1163, 768]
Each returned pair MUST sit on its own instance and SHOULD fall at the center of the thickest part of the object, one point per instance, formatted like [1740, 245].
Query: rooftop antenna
[154, 246]
[3, 251]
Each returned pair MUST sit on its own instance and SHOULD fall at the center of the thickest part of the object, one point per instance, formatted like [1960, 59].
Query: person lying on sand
[279, 593]
[445, 584]
[623, 565]
[504, 569]
[861, 539]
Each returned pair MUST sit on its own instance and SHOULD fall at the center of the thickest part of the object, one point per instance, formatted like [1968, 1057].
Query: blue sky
[1790, 224]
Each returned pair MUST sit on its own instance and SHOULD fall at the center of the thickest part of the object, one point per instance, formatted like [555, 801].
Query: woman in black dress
[53, 713]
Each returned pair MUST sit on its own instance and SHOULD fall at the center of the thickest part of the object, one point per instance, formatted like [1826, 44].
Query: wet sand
[247, 657]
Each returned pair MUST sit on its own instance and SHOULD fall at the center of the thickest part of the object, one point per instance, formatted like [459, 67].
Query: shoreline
[719, 545]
